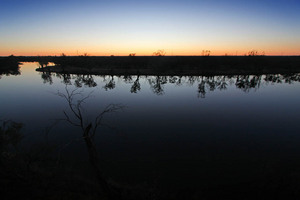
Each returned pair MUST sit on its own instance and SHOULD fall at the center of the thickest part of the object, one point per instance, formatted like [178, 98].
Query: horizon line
[244, 55]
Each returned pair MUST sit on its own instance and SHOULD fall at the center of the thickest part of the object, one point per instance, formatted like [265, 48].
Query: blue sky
[122, 27]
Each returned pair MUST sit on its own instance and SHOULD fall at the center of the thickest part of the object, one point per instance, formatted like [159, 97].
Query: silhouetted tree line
[164, 62]
[171, 64]
[9, 66]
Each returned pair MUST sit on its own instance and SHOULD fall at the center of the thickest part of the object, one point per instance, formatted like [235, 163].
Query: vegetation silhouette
[9, 66]
[157, 83]
[206, 83]
[172, 65]
[284, 182]
[89, 129]
[136, 86]
[165, 65]
[159, 53]
[43, 62]
[47, 77]
[34, 174]
[110, 84]
[206, 53]
[255, 53]
[132, 54]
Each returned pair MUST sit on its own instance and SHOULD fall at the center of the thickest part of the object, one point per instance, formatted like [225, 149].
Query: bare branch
[76, 110]
[109, 109]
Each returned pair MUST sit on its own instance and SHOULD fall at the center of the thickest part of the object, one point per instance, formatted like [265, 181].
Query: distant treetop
[159, 53]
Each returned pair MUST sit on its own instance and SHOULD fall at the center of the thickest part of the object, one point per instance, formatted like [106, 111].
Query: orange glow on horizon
[150, 53]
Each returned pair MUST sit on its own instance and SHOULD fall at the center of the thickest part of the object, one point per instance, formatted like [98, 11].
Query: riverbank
[168, 65]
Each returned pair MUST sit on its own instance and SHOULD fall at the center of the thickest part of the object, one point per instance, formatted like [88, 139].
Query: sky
[115, 27]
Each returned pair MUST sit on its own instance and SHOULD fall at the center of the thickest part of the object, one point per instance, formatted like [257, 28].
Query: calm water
[173, 131]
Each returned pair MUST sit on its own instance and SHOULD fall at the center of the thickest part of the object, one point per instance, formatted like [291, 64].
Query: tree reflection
[136, 86]
[212, 83]
[66, 78]
[173, 79]
[201, 88]
[156, 84]
[110, 85]
[127, 79]
[291, 78]
[274, 78]
[246, 83]
[47, 77]
[87, 80]
[222, 85]
[192, 80]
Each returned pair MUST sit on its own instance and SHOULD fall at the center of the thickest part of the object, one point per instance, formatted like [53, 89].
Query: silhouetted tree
[205, 53]
[43, 63]
[9, 66]
[255, 53]
[159, 53]
[89, 128]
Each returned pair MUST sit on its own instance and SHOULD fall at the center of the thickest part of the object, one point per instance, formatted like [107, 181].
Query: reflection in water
[40, 165]
[86, 80]
[228, 146]
[47, 78]
[14, 72]
[157, 83]
[136, 86]
[110, 83]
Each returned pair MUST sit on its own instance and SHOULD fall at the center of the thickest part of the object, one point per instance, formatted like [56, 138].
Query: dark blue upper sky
[119, 27]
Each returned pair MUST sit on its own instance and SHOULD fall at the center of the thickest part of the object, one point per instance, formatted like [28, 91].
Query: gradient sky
[105, 27]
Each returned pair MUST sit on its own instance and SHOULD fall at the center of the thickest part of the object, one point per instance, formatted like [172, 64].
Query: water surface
[174, 131]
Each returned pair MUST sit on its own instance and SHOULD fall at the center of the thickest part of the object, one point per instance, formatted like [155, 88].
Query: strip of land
[167, 65]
